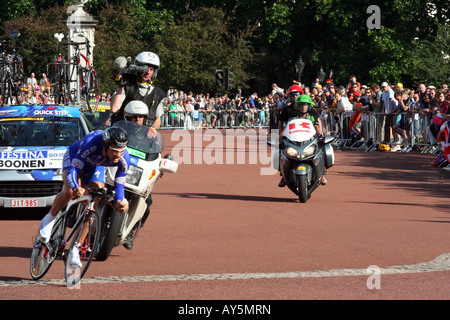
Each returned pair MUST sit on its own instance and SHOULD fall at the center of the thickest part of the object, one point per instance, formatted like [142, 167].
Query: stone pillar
[81, 26]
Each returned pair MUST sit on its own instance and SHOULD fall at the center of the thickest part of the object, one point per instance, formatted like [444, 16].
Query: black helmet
[116, 136]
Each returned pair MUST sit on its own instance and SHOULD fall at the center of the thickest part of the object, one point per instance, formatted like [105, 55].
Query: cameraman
[142, 90]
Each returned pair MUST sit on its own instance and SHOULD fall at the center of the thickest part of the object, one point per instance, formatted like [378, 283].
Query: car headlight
[291, 152]
[134, 175]
[309, 151]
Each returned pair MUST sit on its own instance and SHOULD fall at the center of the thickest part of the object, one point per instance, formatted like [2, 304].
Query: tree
[115, 36]
[18, 9]
[431, 60]
[193, 48]
[258, 40]
[37, 45]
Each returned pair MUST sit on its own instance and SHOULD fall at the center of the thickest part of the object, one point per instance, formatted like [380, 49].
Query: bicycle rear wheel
[84, 242]
[42, 255]
[89, 88]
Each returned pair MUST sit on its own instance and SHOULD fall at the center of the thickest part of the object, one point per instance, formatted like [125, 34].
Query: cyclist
[84, 164]
[303, 109]
[143, 90]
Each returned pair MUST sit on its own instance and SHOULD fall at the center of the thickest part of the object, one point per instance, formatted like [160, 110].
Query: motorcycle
[146, 167]
[303, 157]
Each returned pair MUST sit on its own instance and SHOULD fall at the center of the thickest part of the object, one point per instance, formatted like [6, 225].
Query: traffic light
[219, 78]
[228, 79]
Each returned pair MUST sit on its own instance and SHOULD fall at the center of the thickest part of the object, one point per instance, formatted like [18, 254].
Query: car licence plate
[24, 203]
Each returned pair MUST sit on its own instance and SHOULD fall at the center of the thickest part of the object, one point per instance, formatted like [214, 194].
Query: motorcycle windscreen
[142, 138]
[299, 130]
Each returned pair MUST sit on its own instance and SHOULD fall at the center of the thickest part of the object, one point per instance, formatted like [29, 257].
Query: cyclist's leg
[83, 248]
[61, 199]
[93, 179]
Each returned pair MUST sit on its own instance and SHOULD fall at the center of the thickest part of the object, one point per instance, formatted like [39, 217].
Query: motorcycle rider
[303, 108]
[137, 111]
[293, 93]
[143, 90]
[84, 164]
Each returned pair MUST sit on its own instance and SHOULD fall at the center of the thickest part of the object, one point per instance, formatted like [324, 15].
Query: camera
[130, 71]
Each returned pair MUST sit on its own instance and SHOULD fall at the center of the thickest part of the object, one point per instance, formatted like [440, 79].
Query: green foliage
[37, 45]
[259, 40]
[193, 48]
[115, 36]
[431, 59]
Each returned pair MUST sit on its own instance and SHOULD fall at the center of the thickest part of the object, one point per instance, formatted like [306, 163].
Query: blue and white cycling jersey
[84, 156]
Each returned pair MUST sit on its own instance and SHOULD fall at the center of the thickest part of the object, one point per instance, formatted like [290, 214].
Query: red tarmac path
[210, 223]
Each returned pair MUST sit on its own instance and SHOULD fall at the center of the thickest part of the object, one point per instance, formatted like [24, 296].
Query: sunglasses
[117, 150]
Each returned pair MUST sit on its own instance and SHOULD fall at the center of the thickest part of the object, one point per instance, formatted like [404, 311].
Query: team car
[33, 140]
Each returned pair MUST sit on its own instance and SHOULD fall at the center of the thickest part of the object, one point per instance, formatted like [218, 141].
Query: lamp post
[321, 74]
[299, 65]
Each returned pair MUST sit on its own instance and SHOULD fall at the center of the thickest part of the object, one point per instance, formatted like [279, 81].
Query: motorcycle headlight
[291, 152]
[309, 151]
[134, 175]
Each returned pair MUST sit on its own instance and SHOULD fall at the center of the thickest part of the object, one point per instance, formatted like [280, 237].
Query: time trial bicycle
[83, 237]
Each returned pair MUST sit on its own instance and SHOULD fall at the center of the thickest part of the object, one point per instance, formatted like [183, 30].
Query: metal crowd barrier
[221, 119]
[378, 129]
[375, 128]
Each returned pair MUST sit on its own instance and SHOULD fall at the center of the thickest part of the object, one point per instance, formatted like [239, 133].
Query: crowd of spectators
[189, 110]
[32, 91]
[398, 106]
[402, 114]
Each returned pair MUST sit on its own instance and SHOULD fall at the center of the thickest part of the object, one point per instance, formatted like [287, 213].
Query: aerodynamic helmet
[115, 136]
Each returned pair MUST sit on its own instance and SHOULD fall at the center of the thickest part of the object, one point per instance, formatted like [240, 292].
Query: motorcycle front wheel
[302, 188]
[111, 221]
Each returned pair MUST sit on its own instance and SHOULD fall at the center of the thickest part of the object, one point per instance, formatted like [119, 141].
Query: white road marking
[441, 263]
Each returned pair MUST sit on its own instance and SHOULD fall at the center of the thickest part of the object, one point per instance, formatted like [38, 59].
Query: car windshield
[99, 120]
[34, 133]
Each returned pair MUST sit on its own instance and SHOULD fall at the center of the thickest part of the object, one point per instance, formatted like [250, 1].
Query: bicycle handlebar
[73, 43]
[101, 192]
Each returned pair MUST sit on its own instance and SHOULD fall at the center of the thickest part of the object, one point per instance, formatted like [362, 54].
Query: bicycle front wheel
[42, 254]
[41, 260]
[82, 248]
